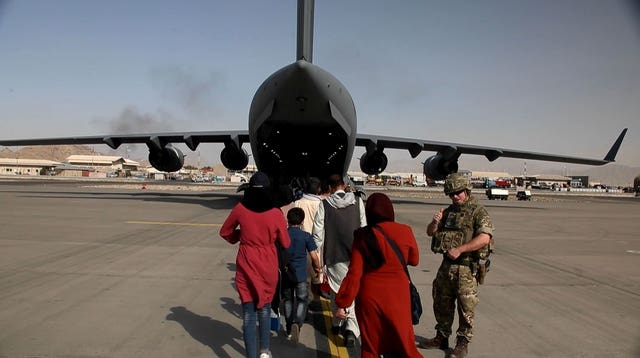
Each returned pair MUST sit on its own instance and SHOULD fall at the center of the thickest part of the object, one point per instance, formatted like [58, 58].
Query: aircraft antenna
[305, 30]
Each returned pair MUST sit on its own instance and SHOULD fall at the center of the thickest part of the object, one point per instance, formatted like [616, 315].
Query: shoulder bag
[416, 304]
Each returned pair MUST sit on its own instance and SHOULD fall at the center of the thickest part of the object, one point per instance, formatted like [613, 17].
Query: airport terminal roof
[554, 177]
[99, 159]
[25, 162]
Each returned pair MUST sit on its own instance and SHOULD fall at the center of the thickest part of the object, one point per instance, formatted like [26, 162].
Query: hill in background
[56, 153]
[612, 174]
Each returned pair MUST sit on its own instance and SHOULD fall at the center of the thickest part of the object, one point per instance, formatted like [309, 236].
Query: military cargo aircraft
[303, 98]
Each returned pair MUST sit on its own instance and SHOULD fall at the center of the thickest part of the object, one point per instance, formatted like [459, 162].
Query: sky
[553, 76]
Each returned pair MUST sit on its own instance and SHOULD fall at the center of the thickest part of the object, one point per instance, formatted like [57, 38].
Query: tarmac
[103, 270]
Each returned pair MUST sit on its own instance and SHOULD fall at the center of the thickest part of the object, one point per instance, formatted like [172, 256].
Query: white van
[239, 178]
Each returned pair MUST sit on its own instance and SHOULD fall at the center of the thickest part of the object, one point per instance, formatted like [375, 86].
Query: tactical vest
[457, 229]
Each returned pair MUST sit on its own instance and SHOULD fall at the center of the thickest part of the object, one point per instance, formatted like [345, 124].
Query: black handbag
[416, 304]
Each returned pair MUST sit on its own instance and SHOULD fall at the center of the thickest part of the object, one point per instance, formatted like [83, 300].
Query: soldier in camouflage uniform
[462, 233]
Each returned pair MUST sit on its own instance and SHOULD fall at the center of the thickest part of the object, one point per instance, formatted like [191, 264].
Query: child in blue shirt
[295, 293]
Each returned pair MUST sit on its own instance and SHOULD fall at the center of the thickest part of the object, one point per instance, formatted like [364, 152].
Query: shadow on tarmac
[210, 332]
[231, 306]
[221, 336]
[225, 201]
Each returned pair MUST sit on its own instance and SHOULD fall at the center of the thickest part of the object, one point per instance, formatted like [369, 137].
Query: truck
[357, 180]
[498, 183]
[523, 195]
[497, 194]
[238, 178]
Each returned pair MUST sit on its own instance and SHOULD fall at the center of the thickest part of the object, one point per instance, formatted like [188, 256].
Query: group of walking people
[362, 252]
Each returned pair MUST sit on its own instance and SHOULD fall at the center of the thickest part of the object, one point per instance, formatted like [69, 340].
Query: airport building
[68, 170]
[10, 166]
[74, 166]
[103, 162]
[543, 181]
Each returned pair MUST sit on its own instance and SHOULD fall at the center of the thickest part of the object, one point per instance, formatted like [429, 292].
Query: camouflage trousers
[454, 284]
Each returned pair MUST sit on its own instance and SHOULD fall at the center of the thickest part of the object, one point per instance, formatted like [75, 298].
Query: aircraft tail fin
[611, 155]
[305, 30]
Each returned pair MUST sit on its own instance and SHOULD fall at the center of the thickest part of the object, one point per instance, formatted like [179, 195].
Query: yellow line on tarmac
[339, 352]
[169, 223]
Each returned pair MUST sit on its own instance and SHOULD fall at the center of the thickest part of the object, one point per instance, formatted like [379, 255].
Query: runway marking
[336, 351]
[633, 251]
[169, 223]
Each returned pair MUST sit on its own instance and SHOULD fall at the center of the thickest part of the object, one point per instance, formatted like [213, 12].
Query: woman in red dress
[256, 224]
[377, 282]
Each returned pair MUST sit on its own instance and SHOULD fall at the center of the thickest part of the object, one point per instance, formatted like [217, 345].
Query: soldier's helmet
[455, 182]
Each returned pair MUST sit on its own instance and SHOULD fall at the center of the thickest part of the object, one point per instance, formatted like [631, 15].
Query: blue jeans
[249, 317]
[295, 303]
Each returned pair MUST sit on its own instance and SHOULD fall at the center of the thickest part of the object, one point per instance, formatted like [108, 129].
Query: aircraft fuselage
[302, 122]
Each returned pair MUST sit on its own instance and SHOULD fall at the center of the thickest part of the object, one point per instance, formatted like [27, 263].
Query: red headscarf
[378, 209]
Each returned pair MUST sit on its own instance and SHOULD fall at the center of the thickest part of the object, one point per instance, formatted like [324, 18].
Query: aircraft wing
[453, 150]
[191, 139]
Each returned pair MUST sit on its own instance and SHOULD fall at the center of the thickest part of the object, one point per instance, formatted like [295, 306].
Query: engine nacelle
[373, 163]
[234, 158]
[437, 167]
[167, 159]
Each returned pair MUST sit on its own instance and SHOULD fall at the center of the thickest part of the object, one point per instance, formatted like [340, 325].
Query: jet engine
[374, 162]
[167, 159]
[437, 167]
[234, 158]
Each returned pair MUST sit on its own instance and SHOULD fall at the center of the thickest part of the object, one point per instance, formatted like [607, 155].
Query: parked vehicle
[523, 195]
[238, 178]
[382, 179]
[419, 182]
[498, 183]
[497, 194]
[396, 180]
[357, 180]
[200, 179]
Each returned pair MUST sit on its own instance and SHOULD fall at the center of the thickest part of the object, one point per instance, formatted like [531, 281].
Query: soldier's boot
[439, 342]
[460, 351]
